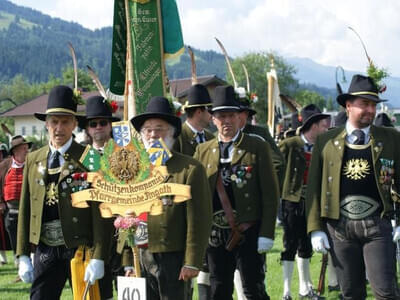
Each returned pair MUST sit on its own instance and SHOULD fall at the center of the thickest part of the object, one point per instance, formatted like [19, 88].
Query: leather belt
[356, 207]
[51, 233]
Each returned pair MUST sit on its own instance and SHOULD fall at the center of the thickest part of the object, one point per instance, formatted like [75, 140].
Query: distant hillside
[35, 45]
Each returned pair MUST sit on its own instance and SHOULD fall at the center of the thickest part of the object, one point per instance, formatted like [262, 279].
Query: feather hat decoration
[77, 93]
[111, 103]
[375, 73]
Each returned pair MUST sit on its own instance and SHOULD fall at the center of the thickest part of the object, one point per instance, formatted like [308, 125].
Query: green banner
[147, 47]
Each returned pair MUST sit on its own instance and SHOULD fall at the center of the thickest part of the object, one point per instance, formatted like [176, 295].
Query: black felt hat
[225, 99]
[382, 119]
[198, 96]
[160, 108]
[60, 102]
[362, 87]
[311, 114]
[97, 107]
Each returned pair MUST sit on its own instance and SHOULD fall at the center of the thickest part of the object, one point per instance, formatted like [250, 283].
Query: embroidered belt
[356, 207]
[219, 219]
[51, 233]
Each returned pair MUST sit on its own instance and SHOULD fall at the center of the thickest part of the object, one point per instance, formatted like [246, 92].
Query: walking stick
[321, 282]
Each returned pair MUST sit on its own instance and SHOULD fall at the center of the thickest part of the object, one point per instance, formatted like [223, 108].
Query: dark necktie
[201, 137]
[224, 147]
[55, 160]
[308, 147]
[360, 137]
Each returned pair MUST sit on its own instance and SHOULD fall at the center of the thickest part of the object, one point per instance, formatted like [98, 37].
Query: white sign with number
[131, 288]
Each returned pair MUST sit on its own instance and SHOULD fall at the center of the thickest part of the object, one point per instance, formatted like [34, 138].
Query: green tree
[84, 80]
[258, 64]
[305, 97]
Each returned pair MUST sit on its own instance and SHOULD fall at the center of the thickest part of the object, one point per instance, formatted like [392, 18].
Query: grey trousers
[360, 246]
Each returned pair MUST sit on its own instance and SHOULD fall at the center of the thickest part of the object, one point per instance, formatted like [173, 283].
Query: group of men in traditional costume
[335, 187]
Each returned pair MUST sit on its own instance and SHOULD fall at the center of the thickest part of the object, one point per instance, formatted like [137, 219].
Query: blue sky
[315, 29]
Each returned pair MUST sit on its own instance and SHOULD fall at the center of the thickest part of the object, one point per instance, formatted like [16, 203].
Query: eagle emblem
[356, 168]
[124, 164]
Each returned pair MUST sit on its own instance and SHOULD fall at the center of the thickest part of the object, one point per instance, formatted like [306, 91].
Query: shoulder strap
[226, 204]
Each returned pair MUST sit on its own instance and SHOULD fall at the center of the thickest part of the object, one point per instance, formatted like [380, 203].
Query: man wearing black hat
[98, 121]
[194, 130]
[11, 170]
[245, 196]
[297, 152]
[349, 200]
[177, 238]
[193, 133]
[98, 128]
[47, 221]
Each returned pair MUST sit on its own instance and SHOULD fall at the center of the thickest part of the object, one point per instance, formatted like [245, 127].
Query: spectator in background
[11, 170]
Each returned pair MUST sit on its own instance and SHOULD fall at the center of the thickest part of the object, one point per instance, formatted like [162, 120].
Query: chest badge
[356, 169]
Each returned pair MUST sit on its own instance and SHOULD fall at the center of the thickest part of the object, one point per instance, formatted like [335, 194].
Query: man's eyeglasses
[102, 123]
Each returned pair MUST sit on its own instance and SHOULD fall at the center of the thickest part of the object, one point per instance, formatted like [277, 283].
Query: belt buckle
[357, 207]
[219, 219]
[51, 234]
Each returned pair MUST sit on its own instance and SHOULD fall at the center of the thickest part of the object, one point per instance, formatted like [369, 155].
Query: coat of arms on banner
[126, 177]
[121, 133]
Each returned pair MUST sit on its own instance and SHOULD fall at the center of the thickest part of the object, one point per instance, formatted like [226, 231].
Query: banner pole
[164, 73]
[135, 251]
[129, 87]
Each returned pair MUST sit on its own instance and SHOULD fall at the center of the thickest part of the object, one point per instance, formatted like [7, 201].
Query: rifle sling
[226, 204]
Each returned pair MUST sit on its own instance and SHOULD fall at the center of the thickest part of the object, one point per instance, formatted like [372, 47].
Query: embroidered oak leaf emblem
[356, 168]
[52, 195]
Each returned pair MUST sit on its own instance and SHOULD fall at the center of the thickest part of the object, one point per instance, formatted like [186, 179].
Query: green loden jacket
[80, 226]
[184, 226]
[186, 142]
[293, 151]
[323, 190]
[277, 158]
[258, 199]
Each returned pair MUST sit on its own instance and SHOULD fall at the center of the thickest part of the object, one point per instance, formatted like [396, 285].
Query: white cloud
[305, 28]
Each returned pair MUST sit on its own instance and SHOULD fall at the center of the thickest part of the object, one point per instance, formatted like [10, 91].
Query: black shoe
[286, 297]
[311, 295]
[333, 288]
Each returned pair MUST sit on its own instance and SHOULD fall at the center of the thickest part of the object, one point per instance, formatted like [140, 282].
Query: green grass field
[20, 291]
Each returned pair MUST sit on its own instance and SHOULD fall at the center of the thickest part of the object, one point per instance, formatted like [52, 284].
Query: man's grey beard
[168, 140]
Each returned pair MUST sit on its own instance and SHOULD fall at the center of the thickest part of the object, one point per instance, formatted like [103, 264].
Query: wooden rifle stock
[321, 282]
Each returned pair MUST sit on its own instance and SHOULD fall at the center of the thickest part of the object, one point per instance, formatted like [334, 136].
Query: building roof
[39, 104]
[180, 87]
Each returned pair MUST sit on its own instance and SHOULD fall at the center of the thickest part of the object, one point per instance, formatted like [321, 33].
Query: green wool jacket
[277, 157]
[323, 189]
[186, 142]
[258, 199]
[182, 226]
[80, 226]
[293, 151]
